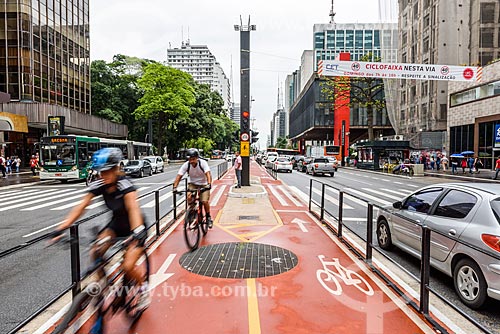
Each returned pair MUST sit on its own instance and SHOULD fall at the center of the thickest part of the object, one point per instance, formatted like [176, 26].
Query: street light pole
[245, 98]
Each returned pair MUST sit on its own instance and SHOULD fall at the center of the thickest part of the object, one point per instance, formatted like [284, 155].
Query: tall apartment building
[278, 126]
[235, 113]
[441, 32]
[201, 64]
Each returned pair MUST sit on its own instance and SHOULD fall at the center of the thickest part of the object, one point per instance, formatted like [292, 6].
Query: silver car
[469, 212]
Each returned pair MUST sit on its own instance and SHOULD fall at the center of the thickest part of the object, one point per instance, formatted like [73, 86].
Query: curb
[263, 193]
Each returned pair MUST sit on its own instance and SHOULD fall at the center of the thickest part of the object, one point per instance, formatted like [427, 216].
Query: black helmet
[107, 158]
[192, 152]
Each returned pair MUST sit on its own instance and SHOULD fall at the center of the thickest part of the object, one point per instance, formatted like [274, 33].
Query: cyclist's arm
[209, 177]
[177, 180]
[76, 212]
[134, 213]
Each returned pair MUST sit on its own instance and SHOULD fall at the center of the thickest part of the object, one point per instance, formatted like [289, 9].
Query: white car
[270, 161]
[283, 164]
[229, 158]
[156, 163]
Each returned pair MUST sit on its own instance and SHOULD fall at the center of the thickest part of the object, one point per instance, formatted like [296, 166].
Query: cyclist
[199, 176]
[120, 196]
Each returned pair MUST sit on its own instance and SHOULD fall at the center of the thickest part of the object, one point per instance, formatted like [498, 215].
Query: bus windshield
[58, 155]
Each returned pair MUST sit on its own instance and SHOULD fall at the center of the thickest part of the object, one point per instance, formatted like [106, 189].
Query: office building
[201, 64]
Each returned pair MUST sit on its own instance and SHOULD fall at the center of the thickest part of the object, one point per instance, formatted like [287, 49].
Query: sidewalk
[267, 266]
[22, 178]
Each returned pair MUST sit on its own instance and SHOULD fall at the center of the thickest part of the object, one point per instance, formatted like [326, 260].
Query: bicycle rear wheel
[133, 288]
[191, 230]
[80, 302]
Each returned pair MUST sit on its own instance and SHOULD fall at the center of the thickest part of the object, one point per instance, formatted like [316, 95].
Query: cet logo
[445, 70]
[355, 66]
[468, 73]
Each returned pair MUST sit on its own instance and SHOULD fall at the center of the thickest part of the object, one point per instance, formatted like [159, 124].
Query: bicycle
[195, 218]
[92, 175]
[113, 292]
[349, 277]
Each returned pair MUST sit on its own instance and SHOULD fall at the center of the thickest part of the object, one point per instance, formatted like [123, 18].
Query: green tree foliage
[281, 142]
[364, 92]
[168, 96]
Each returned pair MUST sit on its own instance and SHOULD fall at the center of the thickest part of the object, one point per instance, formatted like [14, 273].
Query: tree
[281, 142]
[168, 95]
[364, 92]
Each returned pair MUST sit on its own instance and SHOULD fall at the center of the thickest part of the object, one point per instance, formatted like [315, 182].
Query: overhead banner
[398, 71]
[56, 125]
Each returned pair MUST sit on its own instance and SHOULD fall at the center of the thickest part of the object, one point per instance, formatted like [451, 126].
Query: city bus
[67, 157]
[283, 151]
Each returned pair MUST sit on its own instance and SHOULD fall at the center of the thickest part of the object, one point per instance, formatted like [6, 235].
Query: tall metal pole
[245, 99]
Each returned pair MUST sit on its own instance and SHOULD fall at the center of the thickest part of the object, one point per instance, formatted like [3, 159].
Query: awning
[13, 122]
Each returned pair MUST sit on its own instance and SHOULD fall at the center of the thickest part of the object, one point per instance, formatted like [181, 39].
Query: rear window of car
[495, 206]
[321, 160]
[283, 160]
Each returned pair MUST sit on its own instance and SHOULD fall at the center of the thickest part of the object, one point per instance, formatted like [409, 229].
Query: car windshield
[134, 163]
[495, 206]
[58, 155]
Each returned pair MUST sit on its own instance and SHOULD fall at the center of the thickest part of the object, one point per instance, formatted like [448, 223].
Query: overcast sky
[146, 28]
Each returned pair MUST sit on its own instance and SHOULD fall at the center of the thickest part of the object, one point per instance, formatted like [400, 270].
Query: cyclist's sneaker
[210, 222]
[144, 297]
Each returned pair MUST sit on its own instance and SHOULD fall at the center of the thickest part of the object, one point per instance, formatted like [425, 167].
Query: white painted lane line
[333, 200]
[217, 196]
[278, 196]
[151, 204]
[303, 196]
[8, 193]
[400, 192]
[289, 196]
[98, 204]
[373, 198]
[413, 186]
[25, 203]
[347, 197]
[50, 203]
[35, 194]
[398, 182]
[382, 193]
[41, 230]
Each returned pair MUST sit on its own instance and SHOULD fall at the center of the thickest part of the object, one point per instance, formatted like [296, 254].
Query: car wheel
[331, 174]
[313, 172]
[141, 174]
[384, 238]
[151, 172]
[470, 283]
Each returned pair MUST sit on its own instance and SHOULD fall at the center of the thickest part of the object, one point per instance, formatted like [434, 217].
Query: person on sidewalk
[13, 164]
[18, 164]
[477, 164]
[33, 165]
[444, 162]
[2, 166]
[199, 176]
[238, 167]
[463, 164]
[454, 165]
[497, 168]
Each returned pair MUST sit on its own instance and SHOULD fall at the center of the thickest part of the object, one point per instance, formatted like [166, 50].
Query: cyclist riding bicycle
[199, 176]
[120, 196]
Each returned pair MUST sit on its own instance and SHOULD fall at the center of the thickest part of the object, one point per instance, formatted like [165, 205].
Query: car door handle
[452, 232]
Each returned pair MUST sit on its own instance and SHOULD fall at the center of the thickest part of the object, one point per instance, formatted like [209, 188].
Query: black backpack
[199, 165]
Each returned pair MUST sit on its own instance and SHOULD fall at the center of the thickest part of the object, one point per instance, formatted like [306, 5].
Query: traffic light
[245, 121]
[236, 135]
[254, 136]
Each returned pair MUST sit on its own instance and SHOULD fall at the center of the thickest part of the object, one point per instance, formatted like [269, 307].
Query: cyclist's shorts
[204, 196]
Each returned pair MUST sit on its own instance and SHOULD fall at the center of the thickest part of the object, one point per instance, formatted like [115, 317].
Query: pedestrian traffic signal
[245, 121]
[254, 136]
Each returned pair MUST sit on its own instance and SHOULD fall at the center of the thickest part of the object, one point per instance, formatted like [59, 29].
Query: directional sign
[245, 137]
[161, 276]
[245, 149]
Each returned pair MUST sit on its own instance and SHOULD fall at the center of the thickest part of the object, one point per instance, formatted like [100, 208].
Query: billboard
[399, 71]
[56, 125]
[497, 135]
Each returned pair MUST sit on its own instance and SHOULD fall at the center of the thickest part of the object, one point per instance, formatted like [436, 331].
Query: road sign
[245, 149]
[245, 137]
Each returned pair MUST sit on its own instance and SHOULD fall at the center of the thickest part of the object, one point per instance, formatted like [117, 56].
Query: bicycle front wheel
[133, 290]
[191, 230]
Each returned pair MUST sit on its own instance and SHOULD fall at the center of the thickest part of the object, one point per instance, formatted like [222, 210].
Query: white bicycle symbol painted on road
[329, 279]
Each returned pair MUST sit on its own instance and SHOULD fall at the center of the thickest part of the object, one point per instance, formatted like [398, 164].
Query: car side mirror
[397, 205]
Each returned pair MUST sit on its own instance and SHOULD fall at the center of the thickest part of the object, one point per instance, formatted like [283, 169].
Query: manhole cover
[248, 217]
[239, 260]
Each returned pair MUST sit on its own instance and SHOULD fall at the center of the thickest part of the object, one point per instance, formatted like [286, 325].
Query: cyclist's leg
[205, 199]
[106, 232]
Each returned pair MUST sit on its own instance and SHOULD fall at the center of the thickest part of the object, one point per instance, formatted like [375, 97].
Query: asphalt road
[383, 190]
[35, 275]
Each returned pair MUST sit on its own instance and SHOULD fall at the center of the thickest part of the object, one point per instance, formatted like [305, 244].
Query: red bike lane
[325, 290]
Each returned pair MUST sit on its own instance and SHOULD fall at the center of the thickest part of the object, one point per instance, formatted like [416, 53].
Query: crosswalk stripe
[401, 192]
[60, 194]
[301, 194]
[44, 205]
[98, 204]
[217, 196]
[373, 198]
[347, 197]
[30, 196]
[382, 194]
[333, 200]
[151, 204]
[289, 196]
[8, 193]
[278, 196]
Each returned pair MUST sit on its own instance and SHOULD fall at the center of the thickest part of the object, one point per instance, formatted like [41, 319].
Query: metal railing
[367, 256]
[272, 172]
[75, 241]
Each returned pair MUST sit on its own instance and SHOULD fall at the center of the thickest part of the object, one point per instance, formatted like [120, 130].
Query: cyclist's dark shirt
[115, 202]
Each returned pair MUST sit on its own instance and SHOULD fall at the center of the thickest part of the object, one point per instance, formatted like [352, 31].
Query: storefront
[374, 154]
[13, 130]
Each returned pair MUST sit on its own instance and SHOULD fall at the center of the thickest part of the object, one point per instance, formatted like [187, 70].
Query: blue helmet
[106, 158]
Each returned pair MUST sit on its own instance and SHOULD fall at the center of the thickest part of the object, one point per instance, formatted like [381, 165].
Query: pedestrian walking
[238, 167]
[444, 162]
[463, 164]
[33, 165]
[454, 165]
[2, 166]
[470, 164]
[477, 164]
[13, 165]
[18, 164]
[497, 167]
[8, 165]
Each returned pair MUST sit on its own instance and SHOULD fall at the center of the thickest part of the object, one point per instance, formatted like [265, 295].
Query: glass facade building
[45, 52]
